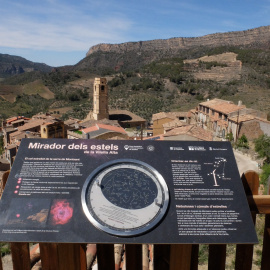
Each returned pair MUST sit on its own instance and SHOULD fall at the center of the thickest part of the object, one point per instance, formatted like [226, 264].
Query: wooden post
[105, 256]
[180, 256]
[70, 257]
[251, 183]
[244, 252]
[20, 256]
[266, 244]
[1, 265]
[49, 256]
[133, 257]
[217, 257]
[161, 257]
[194, 262]
[83, 261]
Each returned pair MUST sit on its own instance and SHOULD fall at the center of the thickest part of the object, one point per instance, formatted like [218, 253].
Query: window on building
[213, 112]
[102, 87]
[220, 115]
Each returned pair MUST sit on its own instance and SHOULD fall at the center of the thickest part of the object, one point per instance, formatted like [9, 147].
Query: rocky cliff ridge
[257, 37]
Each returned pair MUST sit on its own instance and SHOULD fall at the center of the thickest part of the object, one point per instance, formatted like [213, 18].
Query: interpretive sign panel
[92, 191]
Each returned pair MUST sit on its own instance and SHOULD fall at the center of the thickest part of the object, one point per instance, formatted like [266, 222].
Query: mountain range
[12, 65]
[135, 54]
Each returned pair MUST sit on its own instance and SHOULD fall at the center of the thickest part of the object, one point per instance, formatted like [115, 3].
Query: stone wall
[265, 127]
[251, 129]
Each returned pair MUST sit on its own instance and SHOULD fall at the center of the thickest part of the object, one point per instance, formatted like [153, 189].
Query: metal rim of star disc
[126, 232]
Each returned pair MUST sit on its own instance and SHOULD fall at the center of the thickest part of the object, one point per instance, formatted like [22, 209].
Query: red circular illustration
[61, 212]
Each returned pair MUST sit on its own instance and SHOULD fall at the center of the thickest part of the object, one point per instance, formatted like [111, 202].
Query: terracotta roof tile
[112, 128]
[103, 126]
[191, 130]
[222, 106]
[31, 124]
[9, 120]
[174, 124]
[90, 129]
[161, 115]
[242, 118]
[15, 118]
[214, 102]
[16, 133]
[247, 117]
[178, 131]
[227, 108]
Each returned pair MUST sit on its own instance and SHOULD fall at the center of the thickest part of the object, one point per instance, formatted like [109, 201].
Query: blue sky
[60, 32]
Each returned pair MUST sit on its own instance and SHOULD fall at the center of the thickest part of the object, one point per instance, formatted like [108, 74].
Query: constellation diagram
[129, 188]
[219, 170]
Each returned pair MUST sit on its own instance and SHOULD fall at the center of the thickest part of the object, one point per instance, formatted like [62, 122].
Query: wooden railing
[54, 256]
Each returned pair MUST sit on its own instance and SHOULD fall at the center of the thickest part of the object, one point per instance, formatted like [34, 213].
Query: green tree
[229, 137]
[265, 174]
[262, 147]
[242, 142]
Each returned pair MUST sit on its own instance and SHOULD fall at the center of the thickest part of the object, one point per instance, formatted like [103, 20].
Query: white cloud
[64, 28]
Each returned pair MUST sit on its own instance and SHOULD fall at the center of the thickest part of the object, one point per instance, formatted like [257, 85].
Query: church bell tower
[100, 99]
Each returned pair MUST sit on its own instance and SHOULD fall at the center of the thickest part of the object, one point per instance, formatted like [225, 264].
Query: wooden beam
[49, 256]
[83, 261]
[161, 257]
[266, 245]
[259, 203]
[244, 253]
[105, 256]
[194, 257]
[251, 182]
[20, 256]
[180, 256]
[69, 256]
[133, 256]
[217, 257]
[1, 265]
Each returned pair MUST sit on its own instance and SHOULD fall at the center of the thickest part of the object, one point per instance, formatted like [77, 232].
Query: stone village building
[223, 117]
[178, 126]
[159, 119]
[40, 126]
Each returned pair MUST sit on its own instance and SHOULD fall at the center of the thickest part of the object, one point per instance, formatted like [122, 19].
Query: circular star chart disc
[125, 197]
